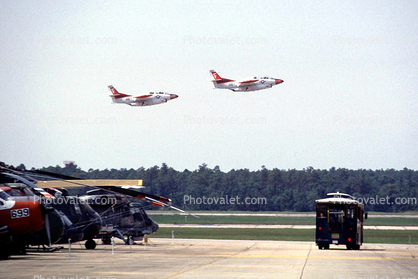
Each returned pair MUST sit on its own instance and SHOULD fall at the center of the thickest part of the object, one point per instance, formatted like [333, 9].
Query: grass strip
[266, 220]
[370, 236]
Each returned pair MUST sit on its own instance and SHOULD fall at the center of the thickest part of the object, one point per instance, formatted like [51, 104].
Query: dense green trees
[267, 190]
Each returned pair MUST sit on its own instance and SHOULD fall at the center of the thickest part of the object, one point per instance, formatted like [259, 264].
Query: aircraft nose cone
[173, 96]
[278, 81]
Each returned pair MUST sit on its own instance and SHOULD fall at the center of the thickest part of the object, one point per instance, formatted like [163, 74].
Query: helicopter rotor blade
[155, 200]
[159, 203]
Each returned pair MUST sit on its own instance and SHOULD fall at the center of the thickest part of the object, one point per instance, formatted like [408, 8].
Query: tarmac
[194, 258]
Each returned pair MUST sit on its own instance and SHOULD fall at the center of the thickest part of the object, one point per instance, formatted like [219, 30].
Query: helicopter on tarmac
[115, 204]
[123, 216]
[84, 223]
[68, 216]
[113, 212]
[25, 219]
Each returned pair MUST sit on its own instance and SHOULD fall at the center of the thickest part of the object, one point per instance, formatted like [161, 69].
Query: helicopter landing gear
[107, 240]
[4, 251]
[90, 244]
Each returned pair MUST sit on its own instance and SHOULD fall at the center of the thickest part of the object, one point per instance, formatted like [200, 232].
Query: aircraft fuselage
[250, 84]
[149, 99]
[154, 99]
[259, 85]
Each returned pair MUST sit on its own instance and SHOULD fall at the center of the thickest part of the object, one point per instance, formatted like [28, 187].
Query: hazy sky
[349, 97]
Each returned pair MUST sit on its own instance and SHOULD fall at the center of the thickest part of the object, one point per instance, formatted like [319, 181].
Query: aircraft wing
[142, 96]
[247, 82]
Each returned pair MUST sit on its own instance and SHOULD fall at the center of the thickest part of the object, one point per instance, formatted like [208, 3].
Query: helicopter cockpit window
[4, 195]
[77, 209]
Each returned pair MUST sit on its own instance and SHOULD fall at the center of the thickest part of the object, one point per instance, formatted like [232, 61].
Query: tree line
[284, 190]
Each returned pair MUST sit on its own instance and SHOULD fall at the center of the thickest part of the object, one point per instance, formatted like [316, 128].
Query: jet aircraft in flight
[152, 98]
[250, 84]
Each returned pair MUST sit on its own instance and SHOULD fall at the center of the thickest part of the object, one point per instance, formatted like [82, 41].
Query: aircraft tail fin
[115, 94]
[217, 79]
[215, 75]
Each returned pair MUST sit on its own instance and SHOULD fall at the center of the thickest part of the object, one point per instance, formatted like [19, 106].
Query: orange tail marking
[113, 90]
[216, 76]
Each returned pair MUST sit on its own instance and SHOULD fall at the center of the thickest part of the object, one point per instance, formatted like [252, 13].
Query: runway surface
[186, 258]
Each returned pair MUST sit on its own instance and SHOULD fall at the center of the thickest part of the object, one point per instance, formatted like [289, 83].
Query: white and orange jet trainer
[152, 98]
[250, 84]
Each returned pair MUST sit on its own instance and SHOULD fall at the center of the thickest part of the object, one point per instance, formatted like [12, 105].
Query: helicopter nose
[154, 227]
[173, 96]
[278, 81]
